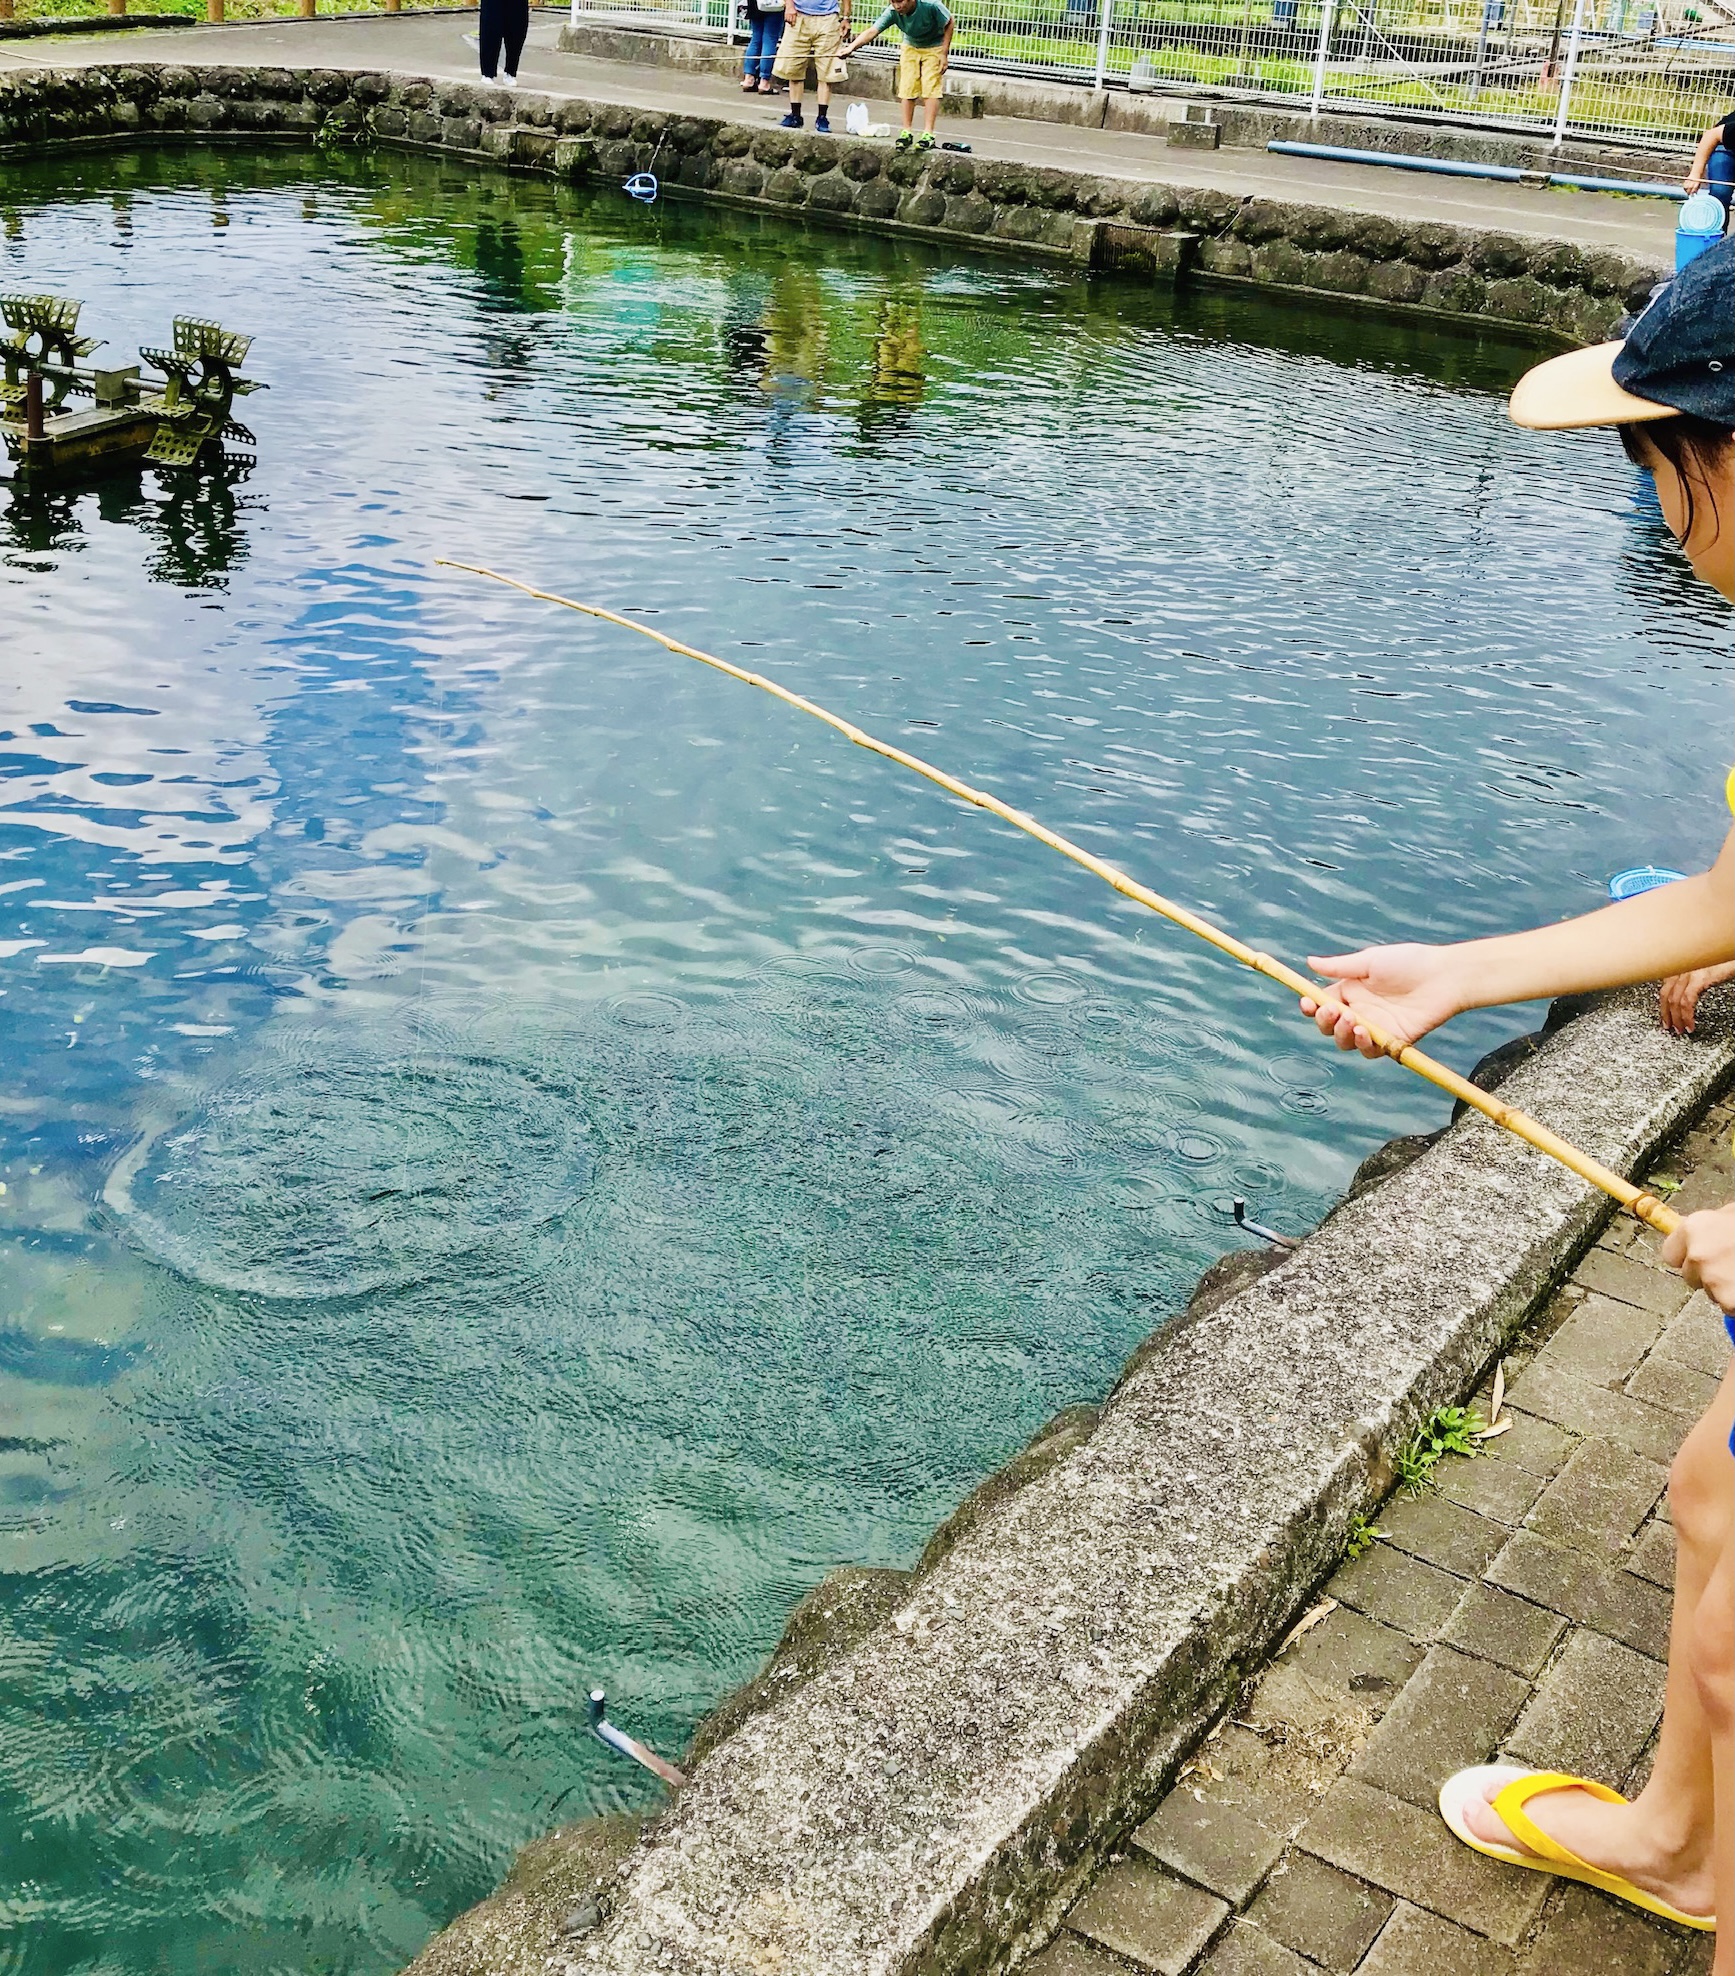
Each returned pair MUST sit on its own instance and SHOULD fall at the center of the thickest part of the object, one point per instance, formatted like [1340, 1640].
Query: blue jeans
[1720, 177]
[762, 45]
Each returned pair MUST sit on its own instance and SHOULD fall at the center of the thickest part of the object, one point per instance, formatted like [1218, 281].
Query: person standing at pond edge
[819, 27]
[927, 29]
[762, 44]
[1669, 389]
[1713, 164]
[504, 23]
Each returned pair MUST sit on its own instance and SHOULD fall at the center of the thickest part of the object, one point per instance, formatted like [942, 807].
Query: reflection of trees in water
[193, 519]
[797, 331]
[897, 377]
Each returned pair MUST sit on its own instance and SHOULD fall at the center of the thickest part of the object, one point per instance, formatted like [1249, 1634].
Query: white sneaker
[509, 82]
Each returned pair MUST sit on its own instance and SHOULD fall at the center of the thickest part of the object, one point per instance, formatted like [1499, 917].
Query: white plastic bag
[855, 120]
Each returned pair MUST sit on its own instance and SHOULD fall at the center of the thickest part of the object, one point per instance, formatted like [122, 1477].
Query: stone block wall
[1167, 231]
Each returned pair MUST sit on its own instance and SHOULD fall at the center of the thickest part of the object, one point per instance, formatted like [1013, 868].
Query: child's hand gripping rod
[1646, 1207]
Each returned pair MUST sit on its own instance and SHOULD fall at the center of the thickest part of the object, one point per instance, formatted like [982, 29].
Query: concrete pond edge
[1166, 233]
[935, 1762]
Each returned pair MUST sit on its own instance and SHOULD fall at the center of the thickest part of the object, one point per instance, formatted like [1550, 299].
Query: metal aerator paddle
[1645, 1207]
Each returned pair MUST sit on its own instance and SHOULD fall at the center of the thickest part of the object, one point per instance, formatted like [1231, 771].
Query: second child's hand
[1681, 992]
[1703, 1250]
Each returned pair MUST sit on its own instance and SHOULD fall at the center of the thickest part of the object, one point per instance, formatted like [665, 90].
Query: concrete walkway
[1523, 1610]
[436, 45]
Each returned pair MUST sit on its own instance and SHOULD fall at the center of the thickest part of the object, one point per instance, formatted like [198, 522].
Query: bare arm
[861, 41]
[1702, 157]
[1408, 990]
[946, 43]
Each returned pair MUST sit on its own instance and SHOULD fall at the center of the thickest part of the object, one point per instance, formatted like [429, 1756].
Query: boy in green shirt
[927, 30]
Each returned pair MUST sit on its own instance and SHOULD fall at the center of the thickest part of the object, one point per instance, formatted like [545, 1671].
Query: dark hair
[1694, 447]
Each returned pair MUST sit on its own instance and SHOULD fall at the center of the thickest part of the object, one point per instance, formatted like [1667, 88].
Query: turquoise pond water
[521, 1154]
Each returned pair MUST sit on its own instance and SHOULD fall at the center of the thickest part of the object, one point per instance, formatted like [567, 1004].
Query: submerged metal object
[622, 1744]
[1244, 1220]
[130, 422]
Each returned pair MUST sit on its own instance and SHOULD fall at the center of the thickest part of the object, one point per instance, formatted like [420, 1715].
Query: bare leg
[1663, 1841]
[1714, 1670]
[908, 106]
[930, 113]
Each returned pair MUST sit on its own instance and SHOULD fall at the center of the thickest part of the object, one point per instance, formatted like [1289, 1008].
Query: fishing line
[1644, 1207]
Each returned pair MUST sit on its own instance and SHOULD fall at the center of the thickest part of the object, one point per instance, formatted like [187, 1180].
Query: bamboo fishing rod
[1645, 1207]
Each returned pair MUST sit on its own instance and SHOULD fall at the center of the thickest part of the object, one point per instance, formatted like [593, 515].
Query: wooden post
[117, 6]
[33, 426]
[214, 11]
[394, 6]
[5, 10]
[307, 9]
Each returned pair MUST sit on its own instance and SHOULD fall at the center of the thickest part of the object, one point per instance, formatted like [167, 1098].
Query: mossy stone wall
[1165, 231]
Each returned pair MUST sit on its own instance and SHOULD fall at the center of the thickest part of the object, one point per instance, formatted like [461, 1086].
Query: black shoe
[791, 122]
[822, 122]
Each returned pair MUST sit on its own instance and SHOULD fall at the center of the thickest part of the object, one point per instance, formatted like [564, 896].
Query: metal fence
[1631, 70]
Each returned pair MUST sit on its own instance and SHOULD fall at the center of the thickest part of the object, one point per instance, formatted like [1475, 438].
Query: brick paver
[1520, 1611]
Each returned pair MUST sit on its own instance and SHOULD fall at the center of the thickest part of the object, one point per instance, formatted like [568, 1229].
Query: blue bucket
[1700, 226]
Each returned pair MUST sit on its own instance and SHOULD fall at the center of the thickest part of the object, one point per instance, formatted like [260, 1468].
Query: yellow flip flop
[1515, 1790]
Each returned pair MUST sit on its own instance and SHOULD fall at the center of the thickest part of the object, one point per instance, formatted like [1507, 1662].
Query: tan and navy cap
[1678, 356]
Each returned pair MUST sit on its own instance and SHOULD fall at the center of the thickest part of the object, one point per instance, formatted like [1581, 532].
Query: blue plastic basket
[1641, 878]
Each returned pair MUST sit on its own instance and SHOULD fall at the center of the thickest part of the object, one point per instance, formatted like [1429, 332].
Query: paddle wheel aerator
[183, 421]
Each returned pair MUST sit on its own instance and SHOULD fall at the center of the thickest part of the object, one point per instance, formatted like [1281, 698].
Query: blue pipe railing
[1458, 168]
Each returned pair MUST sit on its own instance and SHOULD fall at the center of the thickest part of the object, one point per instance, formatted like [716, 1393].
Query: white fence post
[1565, 109]
[1102, 42]
[1327, 8]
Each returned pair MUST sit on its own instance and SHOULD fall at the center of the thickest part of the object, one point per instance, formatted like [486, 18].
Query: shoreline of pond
[1162, 233]
[893, 1789]
[933, 1761]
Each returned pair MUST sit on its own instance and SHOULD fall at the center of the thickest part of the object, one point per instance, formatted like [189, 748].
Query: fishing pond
[520, 1153]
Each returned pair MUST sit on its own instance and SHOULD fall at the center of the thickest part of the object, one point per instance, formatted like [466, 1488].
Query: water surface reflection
[518, 1156]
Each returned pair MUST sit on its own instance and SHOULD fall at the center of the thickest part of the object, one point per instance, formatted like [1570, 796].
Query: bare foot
[1616, 1838]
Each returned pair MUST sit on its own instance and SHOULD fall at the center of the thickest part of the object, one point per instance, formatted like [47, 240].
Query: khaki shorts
[921, 72]
[814, 36]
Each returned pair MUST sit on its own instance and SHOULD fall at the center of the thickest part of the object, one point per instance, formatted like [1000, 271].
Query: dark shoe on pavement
[822, 122]
[790, 122]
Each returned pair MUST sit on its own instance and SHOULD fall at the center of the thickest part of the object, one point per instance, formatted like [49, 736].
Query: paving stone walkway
[1520, 1611]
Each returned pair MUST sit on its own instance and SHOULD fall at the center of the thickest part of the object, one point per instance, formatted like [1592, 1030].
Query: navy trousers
[504, 23]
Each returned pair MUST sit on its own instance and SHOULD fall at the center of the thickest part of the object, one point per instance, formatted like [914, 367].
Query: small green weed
[1663, 1185]
[1362, 1532]
[1446, 1431]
